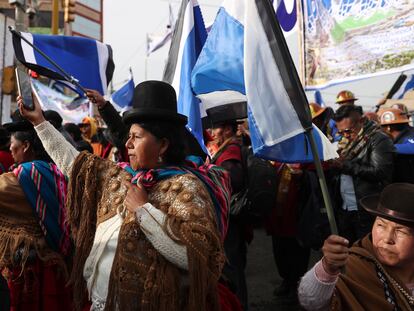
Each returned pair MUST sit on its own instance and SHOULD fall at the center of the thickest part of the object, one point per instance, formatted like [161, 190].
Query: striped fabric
[215, 179]
[45, 188]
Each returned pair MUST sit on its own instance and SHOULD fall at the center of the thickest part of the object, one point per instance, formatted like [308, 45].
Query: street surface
[262, 276]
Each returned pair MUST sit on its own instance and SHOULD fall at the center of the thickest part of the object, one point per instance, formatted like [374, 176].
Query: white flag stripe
[235, 9]
[27, 49]
[156, 42]
[265, 90]
[187, 28]
[103, 56]
[219, 98]
[329, 151]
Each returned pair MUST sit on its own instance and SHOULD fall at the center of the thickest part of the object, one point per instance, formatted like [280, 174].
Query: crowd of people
[130, 217]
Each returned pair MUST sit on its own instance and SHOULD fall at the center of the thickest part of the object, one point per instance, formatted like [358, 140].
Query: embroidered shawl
[215, 179]
[20, 227]
[141, 278]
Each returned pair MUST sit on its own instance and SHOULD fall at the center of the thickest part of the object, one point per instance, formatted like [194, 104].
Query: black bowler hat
[394, 203]
[4, 136]
[154, 100]
[232, 112]
[18, 124]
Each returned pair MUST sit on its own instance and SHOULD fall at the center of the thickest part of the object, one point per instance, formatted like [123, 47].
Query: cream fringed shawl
[141, 278]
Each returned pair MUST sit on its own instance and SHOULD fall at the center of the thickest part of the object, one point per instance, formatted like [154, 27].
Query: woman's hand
[335, 254]
[34, 116]
[136, 197]
[96, 98]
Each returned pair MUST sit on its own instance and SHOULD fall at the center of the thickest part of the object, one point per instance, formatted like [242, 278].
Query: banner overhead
[347, 40]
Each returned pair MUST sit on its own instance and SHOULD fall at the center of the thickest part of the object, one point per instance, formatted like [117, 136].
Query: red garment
[41, 287]
[228, 300]
[231, 152]
[283, 220]
[6, 160]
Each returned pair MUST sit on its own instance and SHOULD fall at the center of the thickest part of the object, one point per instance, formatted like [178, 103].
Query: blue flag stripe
[187, 42]
[87, 60]
[123, 97]
[258, 65]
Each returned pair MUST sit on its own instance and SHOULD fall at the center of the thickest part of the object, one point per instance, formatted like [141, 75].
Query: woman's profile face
[393, 243]
[144, 149]
[17, 149]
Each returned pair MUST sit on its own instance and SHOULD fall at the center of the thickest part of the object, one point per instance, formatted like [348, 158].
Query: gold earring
[159, 159]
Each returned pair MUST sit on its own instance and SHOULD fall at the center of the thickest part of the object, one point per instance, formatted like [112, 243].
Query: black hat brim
[140, 115]
[18, 126]
[231, 112]
[371, 205]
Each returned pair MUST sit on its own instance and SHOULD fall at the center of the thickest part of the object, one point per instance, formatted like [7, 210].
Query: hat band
[395, 214]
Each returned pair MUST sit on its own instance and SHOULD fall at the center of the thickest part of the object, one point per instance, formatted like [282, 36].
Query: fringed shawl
[141, 278]
[19, 229]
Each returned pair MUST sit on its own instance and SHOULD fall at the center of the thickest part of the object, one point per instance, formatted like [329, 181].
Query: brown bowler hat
[394, 203]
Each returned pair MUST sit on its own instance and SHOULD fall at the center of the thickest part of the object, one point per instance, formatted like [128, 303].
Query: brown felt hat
[394, 203]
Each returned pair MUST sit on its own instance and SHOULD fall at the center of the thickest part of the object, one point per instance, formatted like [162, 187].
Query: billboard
[347, 40]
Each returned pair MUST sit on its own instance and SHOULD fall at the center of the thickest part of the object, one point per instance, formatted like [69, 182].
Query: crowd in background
[204, 244]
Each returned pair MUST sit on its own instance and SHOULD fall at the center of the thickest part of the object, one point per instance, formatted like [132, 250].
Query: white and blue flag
[188, 39]
[87, 60]
[122, 99]
[245, 57]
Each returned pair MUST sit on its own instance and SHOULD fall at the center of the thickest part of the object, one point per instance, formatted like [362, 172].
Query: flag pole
[296, 87]
[322, 182]
[68, 77]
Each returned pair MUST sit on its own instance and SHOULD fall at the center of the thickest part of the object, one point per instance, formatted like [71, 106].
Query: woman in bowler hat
[148, 233]
[377, 272]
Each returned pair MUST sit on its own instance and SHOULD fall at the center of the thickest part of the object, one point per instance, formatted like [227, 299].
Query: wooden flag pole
[295, 88]
[322, 182]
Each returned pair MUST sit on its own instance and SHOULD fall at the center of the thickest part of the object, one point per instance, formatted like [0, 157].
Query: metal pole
[20, 25]
[20, 17]
[146, 68]
[55, 17]
[322, 182]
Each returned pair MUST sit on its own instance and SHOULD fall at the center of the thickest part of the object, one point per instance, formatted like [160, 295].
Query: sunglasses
[346, 132]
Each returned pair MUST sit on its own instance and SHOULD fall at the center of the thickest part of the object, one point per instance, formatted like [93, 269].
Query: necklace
[409, 297]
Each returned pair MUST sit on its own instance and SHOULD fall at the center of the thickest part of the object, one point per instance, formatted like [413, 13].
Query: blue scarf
[45, 188]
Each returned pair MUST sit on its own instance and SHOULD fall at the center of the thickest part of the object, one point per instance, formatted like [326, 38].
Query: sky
[127, 22]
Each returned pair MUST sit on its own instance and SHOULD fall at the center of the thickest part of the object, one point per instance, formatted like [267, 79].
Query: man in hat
[377, 272]
[224, 132]
[345, 97]
[365, 167]
[395, 122]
